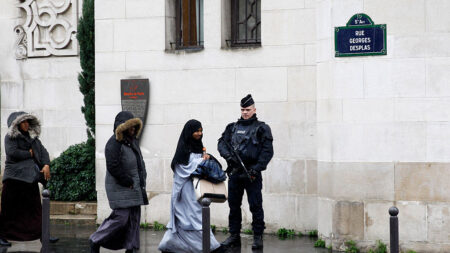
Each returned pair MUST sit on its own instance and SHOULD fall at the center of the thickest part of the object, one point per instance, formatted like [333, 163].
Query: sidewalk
[74, 239]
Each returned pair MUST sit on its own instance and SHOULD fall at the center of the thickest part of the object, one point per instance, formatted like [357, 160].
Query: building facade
[353, 136]
[39, 65]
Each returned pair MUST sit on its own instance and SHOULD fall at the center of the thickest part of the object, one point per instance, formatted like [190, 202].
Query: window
[245, 22]
[189, 24]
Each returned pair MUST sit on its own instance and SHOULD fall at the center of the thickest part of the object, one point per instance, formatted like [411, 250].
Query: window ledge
[242, 47]
[185, 50]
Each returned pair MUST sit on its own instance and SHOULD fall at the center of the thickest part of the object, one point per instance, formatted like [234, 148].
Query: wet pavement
[74, 239]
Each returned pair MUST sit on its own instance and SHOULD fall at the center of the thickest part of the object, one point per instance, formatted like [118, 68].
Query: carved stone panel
[49, 29]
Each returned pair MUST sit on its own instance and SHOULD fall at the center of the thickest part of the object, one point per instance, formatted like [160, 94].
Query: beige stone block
[9, 10]
[161, 147]
[425, 247]
[280, 217]
[109, 61]
[282, 111]
[302, 83]
[63, 118]
[438, 219]
[311, 4]
[356, 181]
[105, 114]
[102, 135]
[411, 46]
[310, 54]
[155, 115]
[412, 21]
[348, 80]
[325, 211]
[329, 110]
[377, 79]
[65, 67]
[311, 176]
[129, 35]
[324, 80]
[107, 85]
[226, 112]
[377, 220]
[324, 141]
[104, 35]
[193, 86]
[412, 221]
[110, 9]
[311, 111]
[437, 18]
[103, 209]
[285, 176]
[436, 46]
[144, 8]
[265, 84]
[343, 10]
[219, 214]
[437, 77]
[155, 175]
[422, 182]
[282, 5]
[302, 141]
[325, 50]
[213, 24]
[100, 174]
[368, 110]
[408, 78]
[438, 147]
[299, 27]
[348, 220]
[158, 208]
[10, 90]
[324, 24]
[411, 109]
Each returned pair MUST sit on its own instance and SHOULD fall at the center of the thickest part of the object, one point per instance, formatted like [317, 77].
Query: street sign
[360, 37]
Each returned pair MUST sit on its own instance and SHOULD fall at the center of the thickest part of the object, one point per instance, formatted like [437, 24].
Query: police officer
[248, 141]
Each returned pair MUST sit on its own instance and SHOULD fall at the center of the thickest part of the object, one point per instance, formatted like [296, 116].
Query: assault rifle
[241, 163]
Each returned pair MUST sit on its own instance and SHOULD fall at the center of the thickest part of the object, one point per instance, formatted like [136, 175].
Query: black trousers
[236, 185]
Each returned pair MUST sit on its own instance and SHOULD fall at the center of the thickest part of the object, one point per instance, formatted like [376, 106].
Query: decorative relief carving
[49, 29]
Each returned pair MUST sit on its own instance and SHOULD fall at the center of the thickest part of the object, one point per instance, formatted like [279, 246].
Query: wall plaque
[360, 37]
[135, 96]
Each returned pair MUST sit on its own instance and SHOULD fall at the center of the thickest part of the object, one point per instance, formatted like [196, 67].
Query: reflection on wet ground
[74, 239]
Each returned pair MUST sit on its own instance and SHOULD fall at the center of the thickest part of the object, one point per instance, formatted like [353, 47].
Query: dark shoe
[4, 243]
[95, 248]
[53, 239]
[257, 242]
[233, 241]
[218, 250]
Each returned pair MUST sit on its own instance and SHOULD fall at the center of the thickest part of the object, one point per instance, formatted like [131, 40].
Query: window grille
[245, 22]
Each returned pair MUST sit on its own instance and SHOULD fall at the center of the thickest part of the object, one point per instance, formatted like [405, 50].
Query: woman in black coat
[27, 163]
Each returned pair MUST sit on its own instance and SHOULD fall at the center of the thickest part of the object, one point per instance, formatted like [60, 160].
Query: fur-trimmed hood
[16, 118]
[125, 120]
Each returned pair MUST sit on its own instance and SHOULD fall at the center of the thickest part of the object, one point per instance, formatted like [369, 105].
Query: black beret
[247, 101]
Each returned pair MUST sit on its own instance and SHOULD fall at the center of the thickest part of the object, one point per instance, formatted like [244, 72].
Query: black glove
[253, 173]
[232, 162]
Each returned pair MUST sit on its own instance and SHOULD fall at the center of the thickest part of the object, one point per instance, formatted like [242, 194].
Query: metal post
[45, 221]
[393, 223]
[206, 225]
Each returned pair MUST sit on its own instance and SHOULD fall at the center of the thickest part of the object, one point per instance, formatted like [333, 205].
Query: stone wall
[382, 126]
[44, 86]
[131, 42]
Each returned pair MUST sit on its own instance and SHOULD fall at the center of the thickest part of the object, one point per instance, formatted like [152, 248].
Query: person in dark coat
[27, 163]
[125, 187]
[251, 140]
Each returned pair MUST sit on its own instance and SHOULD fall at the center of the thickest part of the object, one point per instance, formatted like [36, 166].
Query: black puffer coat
[19, 164]
[126, 173]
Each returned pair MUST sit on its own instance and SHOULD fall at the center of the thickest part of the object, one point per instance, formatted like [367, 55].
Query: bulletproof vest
[243, 136]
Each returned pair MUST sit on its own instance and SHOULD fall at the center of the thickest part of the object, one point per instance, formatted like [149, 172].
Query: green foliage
[86, 79]
[330, 248]
[312, 233]
[380, 248]
[158, 226]
[73, 173]
[351, 247]
[213, 228]
[411, 251]
[285, 233]
[145, 225]
[248, 232]
[300, 234]
[319, 243]
[225, 230]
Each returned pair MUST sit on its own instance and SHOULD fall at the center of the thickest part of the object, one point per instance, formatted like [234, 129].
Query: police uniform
[252, 140]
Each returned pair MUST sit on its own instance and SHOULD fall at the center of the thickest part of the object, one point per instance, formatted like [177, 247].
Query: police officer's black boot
[257, 242]
[234, 240]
